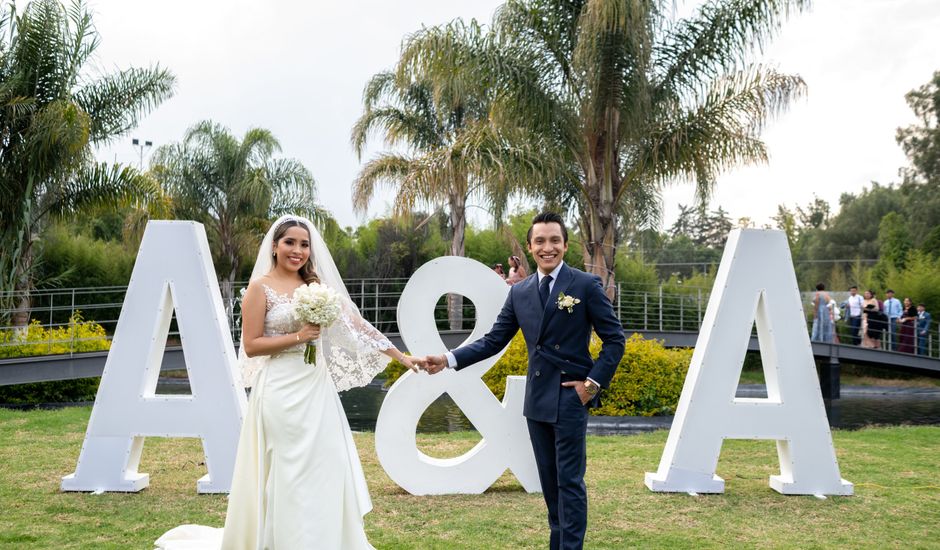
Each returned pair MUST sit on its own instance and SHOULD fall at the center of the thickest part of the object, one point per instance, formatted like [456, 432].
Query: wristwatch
[591, 387]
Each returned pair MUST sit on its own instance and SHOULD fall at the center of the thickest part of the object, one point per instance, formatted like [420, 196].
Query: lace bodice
[351, 348]
[279, 318]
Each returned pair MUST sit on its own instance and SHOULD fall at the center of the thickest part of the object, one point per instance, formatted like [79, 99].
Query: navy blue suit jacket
[557, 341]
[923, 324]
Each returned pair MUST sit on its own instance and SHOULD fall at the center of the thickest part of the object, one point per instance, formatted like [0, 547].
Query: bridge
[671, 315]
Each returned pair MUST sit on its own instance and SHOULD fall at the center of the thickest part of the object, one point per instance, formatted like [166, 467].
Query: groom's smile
[547, 245]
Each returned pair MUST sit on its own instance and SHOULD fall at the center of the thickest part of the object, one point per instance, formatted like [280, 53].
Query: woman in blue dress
[823, 327]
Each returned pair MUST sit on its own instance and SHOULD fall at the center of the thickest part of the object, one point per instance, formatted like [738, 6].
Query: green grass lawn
[897, 502]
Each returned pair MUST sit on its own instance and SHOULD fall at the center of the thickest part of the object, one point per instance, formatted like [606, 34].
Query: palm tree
[52, 114]
[449, 155]
[234, 188]
[631, 98]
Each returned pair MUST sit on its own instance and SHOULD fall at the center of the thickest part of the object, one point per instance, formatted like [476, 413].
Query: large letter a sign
[755, 285]
[173, 271]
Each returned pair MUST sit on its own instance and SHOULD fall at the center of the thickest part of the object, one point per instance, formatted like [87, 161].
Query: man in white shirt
[853, 307]
[893, 311]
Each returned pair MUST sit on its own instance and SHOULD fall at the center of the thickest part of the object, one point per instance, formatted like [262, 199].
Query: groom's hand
[579, 387]
[435, 363]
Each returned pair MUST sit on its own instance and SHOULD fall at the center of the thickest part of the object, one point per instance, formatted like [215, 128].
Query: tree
[921, 143]
[895, 241]
[704, 229]
[815, 215]
[853, 232]
[52, 113]
[685, 221]
[234, 187]
[451, 156]
[630, 99]
[785, 220]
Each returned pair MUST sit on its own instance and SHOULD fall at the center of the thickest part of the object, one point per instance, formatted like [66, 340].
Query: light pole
[140, 149]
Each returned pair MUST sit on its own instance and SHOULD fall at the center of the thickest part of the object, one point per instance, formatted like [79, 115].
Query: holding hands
[434, 364]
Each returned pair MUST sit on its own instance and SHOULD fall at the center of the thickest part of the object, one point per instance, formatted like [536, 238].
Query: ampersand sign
[505, 442]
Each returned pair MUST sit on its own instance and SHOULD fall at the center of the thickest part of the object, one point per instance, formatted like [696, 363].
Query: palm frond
[719, 37]
[721, 132]
[385, 169]
[81, 41]
[258, 145]
[116, 102]
[398, 126]
[431, 56]
[379, 89]
[102, 185]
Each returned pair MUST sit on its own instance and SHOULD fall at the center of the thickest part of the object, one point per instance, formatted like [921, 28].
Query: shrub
[648, 381]
[919, 281]
[392, 372]
[60, 391]
[75, 260]
[78, 336]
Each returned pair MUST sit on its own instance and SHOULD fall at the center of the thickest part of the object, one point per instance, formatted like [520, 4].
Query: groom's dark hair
[548, 217]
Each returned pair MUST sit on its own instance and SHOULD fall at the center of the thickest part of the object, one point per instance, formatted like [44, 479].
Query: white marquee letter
[173, 270]
[505, 432]
[755, 282]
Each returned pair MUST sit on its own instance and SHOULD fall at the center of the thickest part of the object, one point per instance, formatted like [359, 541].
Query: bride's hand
[308, 333]
[409, 362]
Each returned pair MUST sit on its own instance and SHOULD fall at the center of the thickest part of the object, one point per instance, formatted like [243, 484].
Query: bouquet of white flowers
[319, 305]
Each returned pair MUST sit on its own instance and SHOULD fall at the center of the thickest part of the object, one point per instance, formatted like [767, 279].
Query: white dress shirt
[893, 308]
[855, 305]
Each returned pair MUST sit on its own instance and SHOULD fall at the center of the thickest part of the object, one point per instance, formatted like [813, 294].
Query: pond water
[854, 410]
[859, 411]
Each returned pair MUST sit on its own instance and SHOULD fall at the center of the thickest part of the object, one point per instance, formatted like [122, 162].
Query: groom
[556, 308]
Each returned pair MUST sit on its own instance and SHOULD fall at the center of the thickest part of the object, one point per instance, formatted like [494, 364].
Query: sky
[298, 69]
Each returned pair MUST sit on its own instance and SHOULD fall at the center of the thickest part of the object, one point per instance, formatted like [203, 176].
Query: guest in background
[893, 310]
[871, 321]
[853, 310]
[906, 341]
[822, 315]
[923, 328]
[517, 271]
[498, 268]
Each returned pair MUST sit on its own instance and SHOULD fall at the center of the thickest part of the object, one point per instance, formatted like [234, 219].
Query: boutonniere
[567, 302]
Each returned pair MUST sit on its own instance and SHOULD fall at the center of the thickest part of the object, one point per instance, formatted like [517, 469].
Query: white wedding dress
[298, 482]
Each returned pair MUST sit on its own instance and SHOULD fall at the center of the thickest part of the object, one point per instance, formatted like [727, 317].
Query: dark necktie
[543, 289]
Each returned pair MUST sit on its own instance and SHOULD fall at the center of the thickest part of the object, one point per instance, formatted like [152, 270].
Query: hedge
[648, 381]
[78, 336]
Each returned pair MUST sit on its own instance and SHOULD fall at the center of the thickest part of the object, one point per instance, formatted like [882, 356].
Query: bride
[298, 482]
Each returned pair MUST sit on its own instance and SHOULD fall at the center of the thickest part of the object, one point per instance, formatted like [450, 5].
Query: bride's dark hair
[307, 272]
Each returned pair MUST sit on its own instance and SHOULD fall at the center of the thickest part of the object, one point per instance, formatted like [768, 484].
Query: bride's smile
[293, 249]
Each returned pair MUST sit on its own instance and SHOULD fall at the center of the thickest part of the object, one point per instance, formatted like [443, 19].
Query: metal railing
[640, 308]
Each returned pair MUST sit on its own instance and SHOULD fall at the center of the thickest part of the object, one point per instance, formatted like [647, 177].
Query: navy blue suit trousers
[558, 347]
